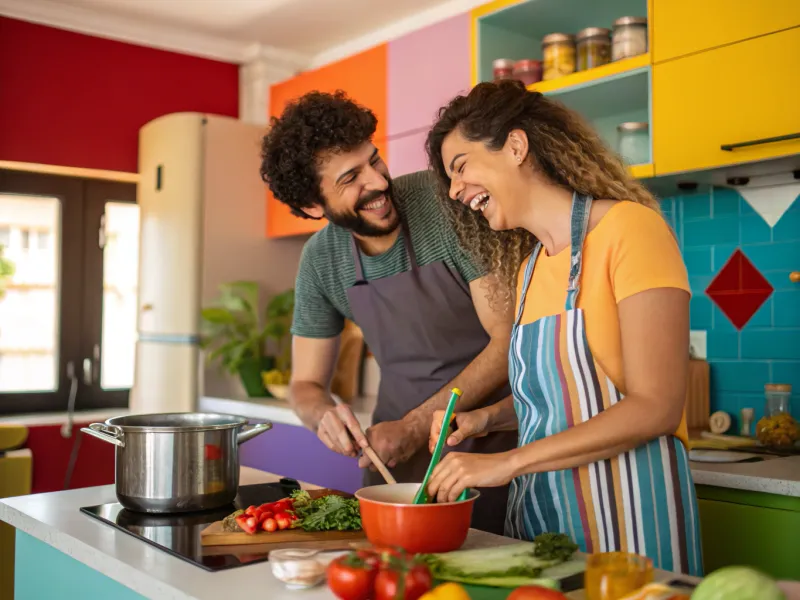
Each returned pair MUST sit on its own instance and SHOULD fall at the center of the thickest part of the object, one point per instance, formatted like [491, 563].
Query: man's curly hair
[314, 124]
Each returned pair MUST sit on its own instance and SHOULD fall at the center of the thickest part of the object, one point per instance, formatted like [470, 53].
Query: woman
[599, 350]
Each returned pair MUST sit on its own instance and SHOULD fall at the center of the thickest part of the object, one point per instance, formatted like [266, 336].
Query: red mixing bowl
[390, 519]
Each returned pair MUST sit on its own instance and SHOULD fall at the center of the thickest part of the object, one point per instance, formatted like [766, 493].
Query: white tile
[771, 201]
[697, 343]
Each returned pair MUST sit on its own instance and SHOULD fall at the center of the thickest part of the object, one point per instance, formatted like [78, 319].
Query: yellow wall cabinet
[682, 27]
[728, 105]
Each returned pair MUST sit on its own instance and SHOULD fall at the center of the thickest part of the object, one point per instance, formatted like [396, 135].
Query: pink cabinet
[425, 70]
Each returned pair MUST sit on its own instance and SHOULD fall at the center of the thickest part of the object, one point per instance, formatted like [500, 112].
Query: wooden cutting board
[215, 535]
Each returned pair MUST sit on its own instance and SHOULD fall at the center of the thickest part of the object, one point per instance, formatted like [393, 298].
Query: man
[389, 261]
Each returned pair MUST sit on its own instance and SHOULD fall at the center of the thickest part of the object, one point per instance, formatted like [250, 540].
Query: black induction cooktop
[179, 535]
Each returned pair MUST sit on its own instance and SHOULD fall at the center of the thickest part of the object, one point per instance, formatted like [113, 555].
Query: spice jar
[629, 37]
[297, 568]
[633, 142]
[528, 71]
[558, 50]
[502, 68]
[594, 47]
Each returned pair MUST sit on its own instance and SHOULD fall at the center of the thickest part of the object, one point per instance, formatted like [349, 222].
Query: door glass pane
[30, 234]
[120, 295]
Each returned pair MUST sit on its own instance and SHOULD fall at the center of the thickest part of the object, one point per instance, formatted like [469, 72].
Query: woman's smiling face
[489, 181]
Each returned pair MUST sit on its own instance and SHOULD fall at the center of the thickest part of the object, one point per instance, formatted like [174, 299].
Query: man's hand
[340, 431]
[395, 441]
[474, 423]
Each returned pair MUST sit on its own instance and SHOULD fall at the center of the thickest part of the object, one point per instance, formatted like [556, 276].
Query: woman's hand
[470, 424]
[458, 471]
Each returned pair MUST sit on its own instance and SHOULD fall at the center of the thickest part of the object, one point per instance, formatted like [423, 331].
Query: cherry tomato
[269, 525]
[350, 577]
[535, 592]
[388, 582]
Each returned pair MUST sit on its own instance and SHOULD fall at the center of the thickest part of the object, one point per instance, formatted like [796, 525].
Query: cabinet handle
[780, 138]
[794, 276]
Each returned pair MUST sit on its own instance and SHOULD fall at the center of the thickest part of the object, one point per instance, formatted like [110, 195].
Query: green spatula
[421, 496]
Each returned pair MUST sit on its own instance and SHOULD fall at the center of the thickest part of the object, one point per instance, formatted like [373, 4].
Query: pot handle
[108, 433]
[251, 433]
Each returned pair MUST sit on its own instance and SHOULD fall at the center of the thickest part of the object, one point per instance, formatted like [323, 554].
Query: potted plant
[243, 342]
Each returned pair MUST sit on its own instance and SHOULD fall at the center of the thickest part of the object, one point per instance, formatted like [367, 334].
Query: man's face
[358, 192]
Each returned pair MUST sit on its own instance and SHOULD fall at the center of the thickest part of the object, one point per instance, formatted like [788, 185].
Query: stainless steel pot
[176, 462]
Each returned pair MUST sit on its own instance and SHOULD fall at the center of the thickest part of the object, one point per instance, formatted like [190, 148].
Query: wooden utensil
[373, 456]
[698, 392]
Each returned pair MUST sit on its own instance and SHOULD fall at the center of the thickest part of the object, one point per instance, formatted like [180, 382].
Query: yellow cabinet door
[683, 27]
[734, 95]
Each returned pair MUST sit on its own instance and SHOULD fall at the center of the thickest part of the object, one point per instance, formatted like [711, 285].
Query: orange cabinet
[363, 78]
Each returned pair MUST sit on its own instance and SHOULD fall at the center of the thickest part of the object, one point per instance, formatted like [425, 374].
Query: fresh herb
[525, 563]
[327, 513]
[229, 522]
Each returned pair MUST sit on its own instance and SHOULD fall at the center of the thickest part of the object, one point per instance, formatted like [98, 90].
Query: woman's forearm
[624, 426]
[502, 416]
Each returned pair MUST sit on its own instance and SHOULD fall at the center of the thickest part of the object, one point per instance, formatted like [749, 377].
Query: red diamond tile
[739, 289]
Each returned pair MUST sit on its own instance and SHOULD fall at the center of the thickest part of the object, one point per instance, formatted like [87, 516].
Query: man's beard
[358, 224]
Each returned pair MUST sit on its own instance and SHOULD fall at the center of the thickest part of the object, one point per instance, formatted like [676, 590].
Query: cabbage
[737, 583]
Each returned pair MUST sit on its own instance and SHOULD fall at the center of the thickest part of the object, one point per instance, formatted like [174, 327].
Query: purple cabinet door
[292, 451]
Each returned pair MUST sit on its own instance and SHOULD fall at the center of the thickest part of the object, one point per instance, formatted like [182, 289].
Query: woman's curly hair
[561, 145]
[310, 126]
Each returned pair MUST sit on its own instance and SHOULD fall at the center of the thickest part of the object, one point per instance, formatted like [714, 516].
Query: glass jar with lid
[629, 37]
[558, 50]
[777, 399]
[502, 68]
[633, 142]
[594, 47]
[528, 71]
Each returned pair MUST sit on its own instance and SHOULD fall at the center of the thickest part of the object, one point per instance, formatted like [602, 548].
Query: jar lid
[557, 38]
[633, 126]
[591, 32]
[527, 64]
[622, 21]
[503, 63]
[778, 387]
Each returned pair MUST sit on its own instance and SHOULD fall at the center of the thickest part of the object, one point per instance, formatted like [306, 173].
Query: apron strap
[412, 256]
[579, 224]
[527, 281]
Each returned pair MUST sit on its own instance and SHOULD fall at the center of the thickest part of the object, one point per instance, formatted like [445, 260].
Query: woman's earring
[519, 159]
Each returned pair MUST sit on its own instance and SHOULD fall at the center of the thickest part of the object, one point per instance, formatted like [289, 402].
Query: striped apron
[643, 500]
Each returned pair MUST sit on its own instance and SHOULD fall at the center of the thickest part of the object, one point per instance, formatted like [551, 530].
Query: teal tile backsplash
[710, 227]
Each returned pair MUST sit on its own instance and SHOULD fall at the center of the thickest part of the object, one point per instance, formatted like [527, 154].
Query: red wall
[76, 100]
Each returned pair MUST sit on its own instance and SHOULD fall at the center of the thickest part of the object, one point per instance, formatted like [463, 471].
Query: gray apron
[422, 328]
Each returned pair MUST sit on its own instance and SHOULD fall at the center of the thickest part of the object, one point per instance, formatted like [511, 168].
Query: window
[70, 305]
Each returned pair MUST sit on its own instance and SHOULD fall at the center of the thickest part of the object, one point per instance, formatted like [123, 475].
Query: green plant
[7, 270]
[235, 332]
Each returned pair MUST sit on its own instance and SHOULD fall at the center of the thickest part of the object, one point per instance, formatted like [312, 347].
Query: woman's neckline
[567, 250]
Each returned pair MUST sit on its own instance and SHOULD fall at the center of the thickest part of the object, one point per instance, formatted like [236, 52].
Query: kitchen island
[64, 553]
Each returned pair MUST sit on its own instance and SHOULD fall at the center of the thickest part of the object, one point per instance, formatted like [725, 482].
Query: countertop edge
[95, 559]
[752, 483]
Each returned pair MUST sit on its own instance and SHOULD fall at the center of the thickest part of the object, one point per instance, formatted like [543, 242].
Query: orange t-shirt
[631, 249]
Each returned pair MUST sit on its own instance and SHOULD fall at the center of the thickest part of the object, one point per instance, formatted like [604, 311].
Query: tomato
[269, 525]
[264, 515]
[350, 577]
[247, 523]
[535, 592]
[282, 505]
[283, 520]
[402, 581]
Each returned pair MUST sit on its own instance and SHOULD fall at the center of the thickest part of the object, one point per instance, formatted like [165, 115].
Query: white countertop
[773, 475]
[55, 519]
